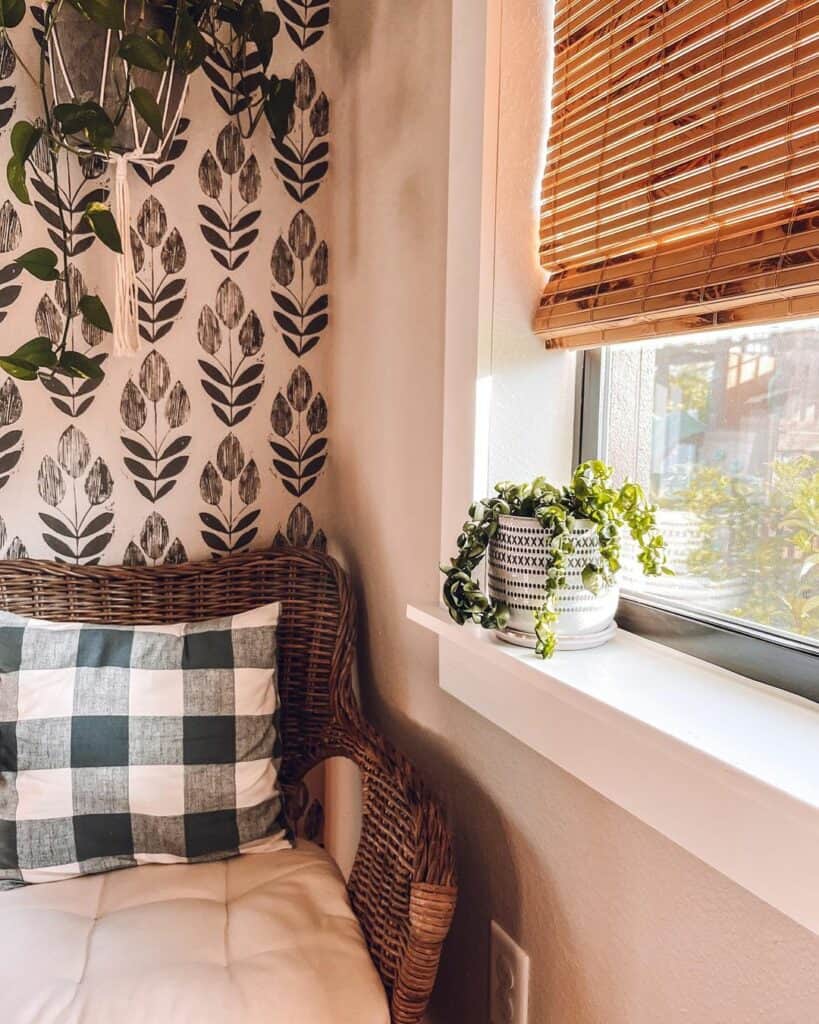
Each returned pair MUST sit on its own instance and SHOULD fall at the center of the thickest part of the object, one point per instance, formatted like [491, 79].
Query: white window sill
[724, 766]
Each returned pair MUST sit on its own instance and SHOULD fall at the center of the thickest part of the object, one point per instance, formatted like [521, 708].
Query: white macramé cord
[126, 332]
[126, 336]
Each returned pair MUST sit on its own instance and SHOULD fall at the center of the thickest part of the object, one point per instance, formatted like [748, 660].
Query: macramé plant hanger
[113, 77]
[82, 61]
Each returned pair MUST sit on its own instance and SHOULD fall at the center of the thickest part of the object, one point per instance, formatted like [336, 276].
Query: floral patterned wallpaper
[214, 437]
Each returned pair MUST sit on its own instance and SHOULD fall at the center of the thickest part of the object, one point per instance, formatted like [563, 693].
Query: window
[679, 226]
[722, 430]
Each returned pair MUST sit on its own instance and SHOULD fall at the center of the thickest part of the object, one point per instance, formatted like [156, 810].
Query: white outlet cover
[508, 979]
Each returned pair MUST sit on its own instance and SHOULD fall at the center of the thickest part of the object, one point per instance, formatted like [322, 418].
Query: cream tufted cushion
[261, 938]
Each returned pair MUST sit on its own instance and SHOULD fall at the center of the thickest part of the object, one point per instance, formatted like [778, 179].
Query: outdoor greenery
[196, 30]
[589, 496]
[692, 386]
[764, 533]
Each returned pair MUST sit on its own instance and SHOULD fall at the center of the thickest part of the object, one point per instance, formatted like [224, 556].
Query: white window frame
[753, 651]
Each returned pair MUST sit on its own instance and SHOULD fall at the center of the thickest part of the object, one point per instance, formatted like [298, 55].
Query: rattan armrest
[402, 885]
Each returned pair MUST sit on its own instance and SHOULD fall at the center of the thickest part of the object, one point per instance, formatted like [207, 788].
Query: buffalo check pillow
[139, 744]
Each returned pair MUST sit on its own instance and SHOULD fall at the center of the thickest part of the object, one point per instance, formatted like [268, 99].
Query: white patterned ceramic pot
[516, 576]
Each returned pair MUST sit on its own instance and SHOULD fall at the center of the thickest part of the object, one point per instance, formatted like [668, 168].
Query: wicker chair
[402, 885]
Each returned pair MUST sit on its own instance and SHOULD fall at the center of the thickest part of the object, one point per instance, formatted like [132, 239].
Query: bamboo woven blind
[681, 191]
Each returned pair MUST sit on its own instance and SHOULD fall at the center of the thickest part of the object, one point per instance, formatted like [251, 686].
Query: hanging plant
[112, 77]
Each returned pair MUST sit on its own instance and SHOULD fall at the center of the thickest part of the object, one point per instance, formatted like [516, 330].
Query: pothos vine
[195, 30]
[590, 496]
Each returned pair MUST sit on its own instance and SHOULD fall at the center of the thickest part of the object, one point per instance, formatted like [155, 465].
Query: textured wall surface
[622, 926]
[215, 436]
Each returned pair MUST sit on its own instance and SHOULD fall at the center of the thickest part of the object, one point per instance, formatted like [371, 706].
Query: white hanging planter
[83, 63]
[516, 576]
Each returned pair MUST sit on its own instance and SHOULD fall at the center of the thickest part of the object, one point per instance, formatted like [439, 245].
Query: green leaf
[263, 29]
[37, 352]
[26, 362]
[143, 52]
[24, 137]
[71, 117]
[108, 13]
[104, 226]
[12, 12]
[100, 133]
[591, 578]
[163, 43]
[280, 97]
[95, 313]
[148, 109]
[42, 263]
[248, 12]
[191, 48]
[16, 177]
[75, 364]
[86, 118]
[18, 368]
[229, 12]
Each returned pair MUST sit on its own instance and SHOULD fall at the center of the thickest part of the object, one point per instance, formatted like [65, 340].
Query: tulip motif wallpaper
[214, 437]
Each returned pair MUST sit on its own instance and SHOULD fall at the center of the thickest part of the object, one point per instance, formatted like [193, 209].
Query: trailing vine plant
[589, 496]
[197, 30]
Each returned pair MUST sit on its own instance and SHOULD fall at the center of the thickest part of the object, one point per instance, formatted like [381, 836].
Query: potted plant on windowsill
[553, 559]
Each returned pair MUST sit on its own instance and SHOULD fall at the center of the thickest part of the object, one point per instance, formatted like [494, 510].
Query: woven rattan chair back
[315, 631]
[402, 884]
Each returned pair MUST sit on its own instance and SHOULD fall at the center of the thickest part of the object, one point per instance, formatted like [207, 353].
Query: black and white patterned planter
[516, 575]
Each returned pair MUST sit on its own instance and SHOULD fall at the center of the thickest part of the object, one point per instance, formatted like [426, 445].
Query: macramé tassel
[126, 337]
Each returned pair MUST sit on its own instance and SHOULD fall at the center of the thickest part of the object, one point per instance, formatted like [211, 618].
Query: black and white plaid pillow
[131, 745]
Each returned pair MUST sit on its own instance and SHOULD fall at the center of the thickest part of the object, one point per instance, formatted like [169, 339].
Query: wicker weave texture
[402, 886]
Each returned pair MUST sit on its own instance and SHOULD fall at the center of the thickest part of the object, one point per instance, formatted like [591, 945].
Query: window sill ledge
[726, 767]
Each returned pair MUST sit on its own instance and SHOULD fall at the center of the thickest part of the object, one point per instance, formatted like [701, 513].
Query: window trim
[757, 653]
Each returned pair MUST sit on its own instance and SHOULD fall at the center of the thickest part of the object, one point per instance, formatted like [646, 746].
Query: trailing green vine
[195, 31]
[589, 496]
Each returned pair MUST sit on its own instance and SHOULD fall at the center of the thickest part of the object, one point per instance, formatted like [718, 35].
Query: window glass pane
[723, 432]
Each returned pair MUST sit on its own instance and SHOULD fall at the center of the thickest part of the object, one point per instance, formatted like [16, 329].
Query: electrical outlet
[508, 979]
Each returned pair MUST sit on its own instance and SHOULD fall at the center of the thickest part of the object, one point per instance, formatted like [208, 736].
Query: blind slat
[714, 195]
[594, 15]
[685, 110]
[707, 26]
[766, 309]
[682, 182]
